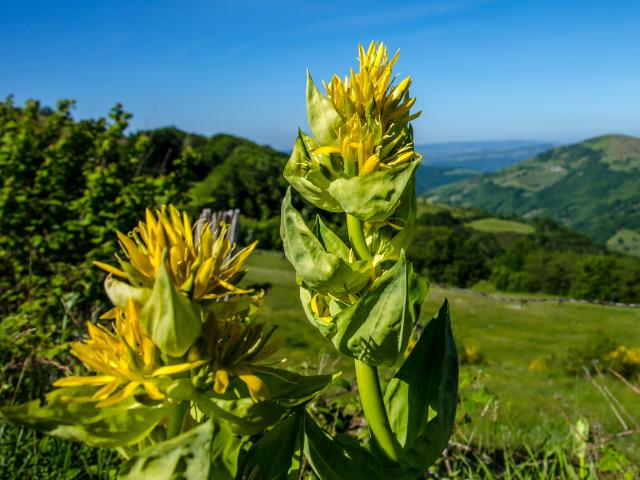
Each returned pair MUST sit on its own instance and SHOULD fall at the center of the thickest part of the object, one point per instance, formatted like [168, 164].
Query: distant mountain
[482, 156]
[430, 177]
[592, 187]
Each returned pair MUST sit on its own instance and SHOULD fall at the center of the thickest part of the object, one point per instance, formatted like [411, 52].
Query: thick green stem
[176, 419]
[374, 409]
[356, 237]
[368, 381]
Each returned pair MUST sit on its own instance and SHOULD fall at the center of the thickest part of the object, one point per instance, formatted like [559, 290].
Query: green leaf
[125, 423]
[335, 459]
[323, 271]
[426, 384]
[120, 292]
[375, 196]
[209, 450]
[304, 172]
[169, 317]
[244, 416]
[323, 118]
[376, 329]
[290, 389]
[273, 453]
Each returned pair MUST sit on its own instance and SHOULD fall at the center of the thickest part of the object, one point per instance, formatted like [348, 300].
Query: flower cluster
[199, 265]
[204, 266]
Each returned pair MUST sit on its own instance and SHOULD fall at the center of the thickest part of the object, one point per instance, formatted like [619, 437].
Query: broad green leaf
[375, 196]
[334, 459]
[376, 329]
[331, 242]
[290, 389]
[323, 271]
[209, 450]
[125, 423]
[273, 453]
[169, 317]
[244, 416]
[426, 385]
[120, 292]
[307, 177]
[323, 118]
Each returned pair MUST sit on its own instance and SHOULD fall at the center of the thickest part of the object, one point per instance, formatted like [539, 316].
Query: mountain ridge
[591, 186]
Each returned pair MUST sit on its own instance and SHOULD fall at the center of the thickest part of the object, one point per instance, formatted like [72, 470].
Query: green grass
[625, 241]
[497, 225]
[509, 333]
[531, 406]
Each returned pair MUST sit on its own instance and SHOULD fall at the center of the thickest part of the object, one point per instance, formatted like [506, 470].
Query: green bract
[375, 196]
[375, 329]
[322, 261]
[323, 118]
[169, 318]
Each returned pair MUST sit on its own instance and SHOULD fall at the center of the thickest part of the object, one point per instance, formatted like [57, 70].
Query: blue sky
[546, 70]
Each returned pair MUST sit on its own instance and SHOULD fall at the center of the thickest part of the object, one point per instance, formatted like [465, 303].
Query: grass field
[533, 405]
[529, 407]
[497, 225]
[625, 241]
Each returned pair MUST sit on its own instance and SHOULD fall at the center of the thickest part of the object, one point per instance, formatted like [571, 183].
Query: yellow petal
[79, 380]
[153, 391]
[111, 269]
[222, 381]
[123, 394]
[257, 388]
[325, 150]
[181, 367]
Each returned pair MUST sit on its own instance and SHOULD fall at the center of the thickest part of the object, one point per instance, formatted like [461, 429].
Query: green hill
[592, 187]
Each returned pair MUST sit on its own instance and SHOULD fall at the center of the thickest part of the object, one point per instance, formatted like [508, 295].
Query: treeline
[552, 260]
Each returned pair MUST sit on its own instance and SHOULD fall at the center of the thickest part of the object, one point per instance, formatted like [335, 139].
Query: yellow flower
[376, 114]
[204, 268]
[234, 345]
[371, 92]
[127, 362]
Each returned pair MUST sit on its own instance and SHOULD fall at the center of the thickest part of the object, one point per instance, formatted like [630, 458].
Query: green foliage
[169, 318]
[207, 451]
[337, 458]
[66, 185]
[422, 396]
[124, 424]
[376, 328]
[272, 455]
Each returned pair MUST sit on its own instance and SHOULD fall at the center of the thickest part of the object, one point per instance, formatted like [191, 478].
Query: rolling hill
[592, 187]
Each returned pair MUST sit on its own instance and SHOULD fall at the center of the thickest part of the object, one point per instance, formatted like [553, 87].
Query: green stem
[367, 376]
[374, 409]
[356, 237]
[176, 419]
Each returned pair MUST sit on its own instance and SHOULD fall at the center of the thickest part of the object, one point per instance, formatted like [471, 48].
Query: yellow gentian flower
[235, 344]
[127, 361]
[375, 114]
[206, 267]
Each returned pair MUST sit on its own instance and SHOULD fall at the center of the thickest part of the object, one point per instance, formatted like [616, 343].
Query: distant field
[497, 225]
[511, 334]
[625, 241]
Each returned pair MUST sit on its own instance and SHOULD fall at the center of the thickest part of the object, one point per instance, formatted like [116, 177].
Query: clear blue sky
[547, 70]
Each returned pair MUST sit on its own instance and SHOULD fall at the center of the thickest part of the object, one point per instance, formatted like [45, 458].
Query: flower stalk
[375, 411]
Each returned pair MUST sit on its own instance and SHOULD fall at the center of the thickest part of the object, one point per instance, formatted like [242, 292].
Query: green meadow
[524, 344]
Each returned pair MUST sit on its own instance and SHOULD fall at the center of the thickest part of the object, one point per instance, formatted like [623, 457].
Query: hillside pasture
[524, 344]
